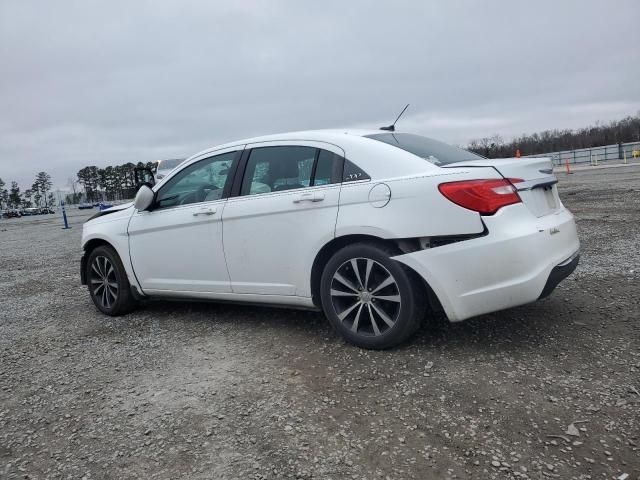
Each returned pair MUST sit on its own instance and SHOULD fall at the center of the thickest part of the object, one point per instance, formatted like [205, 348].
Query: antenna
[392, 127]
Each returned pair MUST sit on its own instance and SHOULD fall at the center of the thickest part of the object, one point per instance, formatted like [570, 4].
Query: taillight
[483, 196]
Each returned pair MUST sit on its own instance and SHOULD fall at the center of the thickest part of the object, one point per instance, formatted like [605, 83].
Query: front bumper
[523, 258]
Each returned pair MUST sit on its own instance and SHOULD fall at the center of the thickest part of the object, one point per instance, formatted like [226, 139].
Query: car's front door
[177, 245]
[283, 211]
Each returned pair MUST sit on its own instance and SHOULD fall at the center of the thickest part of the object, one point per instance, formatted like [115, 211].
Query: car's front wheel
[108, 283]
[372, 300]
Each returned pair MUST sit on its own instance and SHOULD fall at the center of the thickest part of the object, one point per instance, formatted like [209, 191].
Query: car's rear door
[282, 210]
[177, 246]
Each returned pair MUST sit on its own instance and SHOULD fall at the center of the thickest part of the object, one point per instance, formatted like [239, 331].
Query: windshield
[433, 151]
[169, 164]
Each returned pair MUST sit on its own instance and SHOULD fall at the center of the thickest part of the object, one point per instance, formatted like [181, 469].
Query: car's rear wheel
[108, 283]
[373, 301]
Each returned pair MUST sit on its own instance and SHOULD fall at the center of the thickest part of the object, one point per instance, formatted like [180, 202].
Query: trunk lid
[537, 186]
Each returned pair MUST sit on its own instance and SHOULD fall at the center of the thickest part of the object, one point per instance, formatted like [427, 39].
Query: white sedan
[374, 228]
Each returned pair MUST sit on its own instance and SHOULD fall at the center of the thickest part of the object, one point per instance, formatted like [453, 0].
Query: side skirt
[277, 301]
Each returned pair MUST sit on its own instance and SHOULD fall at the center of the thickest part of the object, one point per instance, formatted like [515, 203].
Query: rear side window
[431, 150]
[353, 173]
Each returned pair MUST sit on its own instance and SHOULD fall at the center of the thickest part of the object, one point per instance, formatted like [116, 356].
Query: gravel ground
[203, 390]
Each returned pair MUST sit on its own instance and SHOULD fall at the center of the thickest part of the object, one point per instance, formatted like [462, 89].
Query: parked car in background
[104, 205]
[373, 228]
[11, 214]
[26, 212]
[46, 210]
[164, 167]
[85, 206]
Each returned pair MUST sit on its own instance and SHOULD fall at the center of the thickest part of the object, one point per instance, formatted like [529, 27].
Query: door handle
[309, 197]
[204, 211]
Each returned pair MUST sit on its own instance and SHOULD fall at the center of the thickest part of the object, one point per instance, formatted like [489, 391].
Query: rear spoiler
[537, 183]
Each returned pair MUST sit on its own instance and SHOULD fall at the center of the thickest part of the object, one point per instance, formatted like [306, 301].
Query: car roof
[310, 135]
[328, 135]
[378, 159]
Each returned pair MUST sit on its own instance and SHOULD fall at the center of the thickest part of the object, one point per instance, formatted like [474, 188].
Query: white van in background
[165, 166]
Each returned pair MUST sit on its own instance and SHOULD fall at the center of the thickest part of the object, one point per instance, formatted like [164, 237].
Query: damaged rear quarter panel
[416, 209]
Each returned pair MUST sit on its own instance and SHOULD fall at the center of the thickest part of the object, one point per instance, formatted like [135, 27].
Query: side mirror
[144, 198]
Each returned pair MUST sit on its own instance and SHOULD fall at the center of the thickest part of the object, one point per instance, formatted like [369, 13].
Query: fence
[617, 151]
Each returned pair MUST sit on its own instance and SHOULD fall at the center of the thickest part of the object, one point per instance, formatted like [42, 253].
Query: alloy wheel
[104, 283]
[365, 296]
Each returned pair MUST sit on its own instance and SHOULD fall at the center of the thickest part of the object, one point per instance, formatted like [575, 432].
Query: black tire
[403, 302]
[112, 297]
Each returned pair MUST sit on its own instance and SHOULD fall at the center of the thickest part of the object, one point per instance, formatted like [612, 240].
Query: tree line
[109, 183]
[114, 182]
[619, 131]
[39, 195]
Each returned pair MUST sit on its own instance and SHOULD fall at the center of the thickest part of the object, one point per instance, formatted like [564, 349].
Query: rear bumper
[559, 273]
[522, 259]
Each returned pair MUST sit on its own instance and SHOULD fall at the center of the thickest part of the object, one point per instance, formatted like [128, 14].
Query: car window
[275, 169]
[353, 173]
[431, 150]
[324, 168]
[201, 182]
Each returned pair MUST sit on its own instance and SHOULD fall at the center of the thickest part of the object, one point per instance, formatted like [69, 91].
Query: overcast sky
[108, 82]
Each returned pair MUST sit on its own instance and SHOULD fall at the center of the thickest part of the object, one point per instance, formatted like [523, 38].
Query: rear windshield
[433, 151]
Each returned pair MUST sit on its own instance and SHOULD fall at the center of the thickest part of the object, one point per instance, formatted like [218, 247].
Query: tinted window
[201, 182]
[353, 173]
[433, 151]
[324, 168]
[274, 169]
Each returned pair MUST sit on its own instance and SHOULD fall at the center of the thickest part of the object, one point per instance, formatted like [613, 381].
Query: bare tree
[621, 131]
